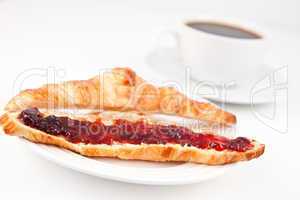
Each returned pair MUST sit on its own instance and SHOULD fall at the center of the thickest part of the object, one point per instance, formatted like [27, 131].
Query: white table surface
[80, 37]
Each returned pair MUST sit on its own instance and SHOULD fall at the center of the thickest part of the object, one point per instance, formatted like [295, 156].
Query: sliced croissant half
[119, 89]
[133, 137]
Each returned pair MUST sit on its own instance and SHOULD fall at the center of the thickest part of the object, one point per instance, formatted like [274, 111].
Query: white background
[82, 36]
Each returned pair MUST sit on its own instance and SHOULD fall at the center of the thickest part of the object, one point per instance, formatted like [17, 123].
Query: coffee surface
[223, 30]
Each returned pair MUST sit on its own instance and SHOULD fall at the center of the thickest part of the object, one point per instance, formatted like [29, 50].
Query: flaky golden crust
[155, 152]
[122, 90]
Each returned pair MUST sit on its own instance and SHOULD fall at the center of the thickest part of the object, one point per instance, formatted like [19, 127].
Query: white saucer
[260, 90]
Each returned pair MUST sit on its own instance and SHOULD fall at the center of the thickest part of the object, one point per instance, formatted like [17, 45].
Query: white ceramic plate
[140, 172]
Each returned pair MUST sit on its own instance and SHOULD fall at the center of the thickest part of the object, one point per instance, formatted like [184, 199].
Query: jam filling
[123, 131]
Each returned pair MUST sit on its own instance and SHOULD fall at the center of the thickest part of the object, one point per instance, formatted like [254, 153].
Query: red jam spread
[123, 131]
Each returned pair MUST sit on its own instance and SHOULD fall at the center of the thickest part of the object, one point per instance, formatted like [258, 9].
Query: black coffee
[223, 30]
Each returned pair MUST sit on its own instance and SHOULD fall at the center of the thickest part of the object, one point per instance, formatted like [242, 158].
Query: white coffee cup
[218, 58]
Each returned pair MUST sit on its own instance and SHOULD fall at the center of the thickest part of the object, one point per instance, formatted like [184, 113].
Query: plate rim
[48, 155]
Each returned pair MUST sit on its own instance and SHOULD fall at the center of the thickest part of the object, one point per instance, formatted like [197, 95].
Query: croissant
[120, 89]
[128, 136]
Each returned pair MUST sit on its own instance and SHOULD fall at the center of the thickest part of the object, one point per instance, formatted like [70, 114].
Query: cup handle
[167, 39]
